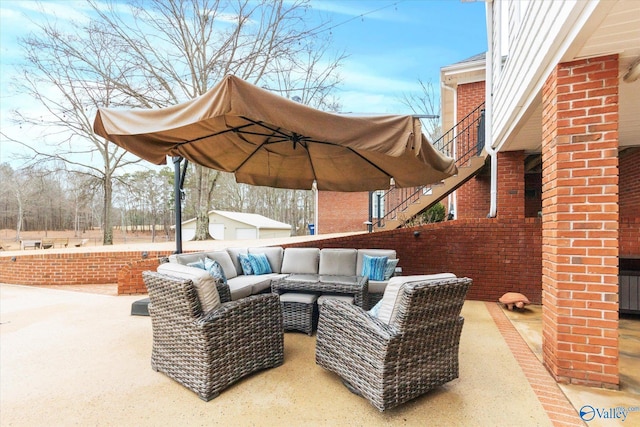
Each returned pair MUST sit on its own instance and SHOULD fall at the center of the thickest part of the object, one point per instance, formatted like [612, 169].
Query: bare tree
[426, 102]
[158, 53]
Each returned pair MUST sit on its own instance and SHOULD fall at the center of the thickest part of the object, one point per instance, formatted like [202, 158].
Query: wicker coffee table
[356, 286]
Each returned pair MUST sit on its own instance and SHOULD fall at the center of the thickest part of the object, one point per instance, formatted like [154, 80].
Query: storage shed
[225, 225]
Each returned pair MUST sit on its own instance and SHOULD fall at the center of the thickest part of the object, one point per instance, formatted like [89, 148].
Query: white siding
[537, 44]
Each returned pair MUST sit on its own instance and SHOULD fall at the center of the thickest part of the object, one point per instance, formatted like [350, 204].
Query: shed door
[246, 233]
[217, 231]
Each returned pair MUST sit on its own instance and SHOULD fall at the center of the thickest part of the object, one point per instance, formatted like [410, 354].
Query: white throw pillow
[388, 302]
[203, 282]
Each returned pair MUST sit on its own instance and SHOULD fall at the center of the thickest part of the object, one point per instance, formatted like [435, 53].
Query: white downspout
[453, 199]
[315, 208]
[488, 111]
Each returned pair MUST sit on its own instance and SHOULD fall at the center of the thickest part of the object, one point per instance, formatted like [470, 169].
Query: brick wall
[342, 212]
[630, 202]
[490, 251]
[77, 268]
[499, 255]
[580, 222]
[510, 191]
[473, 198]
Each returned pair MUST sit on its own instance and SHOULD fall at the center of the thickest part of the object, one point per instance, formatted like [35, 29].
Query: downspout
[488, 112]
[453, 199]
[315, 209]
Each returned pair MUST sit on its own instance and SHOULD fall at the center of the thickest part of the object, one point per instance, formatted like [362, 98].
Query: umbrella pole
[177, 187]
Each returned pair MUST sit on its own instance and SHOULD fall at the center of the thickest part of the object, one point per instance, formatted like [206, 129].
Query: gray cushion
[233, 253]
[389, 253]
[377, 287]
[274, 255]
[204, 284]
[338, 261]
[224, 259]
[242, 286]
[387, 310]
[300, 260]
[186, 259]
[298, 297]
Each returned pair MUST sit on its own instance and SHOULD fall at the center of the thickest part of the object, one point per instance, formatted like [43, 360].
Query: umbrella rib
[233, 129]
[307, 139]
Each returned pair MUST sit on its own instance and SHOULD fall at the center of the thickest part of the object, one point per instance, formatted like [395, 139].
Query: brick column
[580, 222]
[511, 184]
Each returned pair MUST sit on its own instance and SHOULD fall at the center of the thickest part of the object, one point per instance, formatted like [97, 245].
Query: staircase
[464, 142]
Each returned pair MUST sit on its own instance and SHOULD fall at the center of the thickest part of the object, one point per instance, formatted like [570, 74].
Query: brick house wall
[580, 222]
[473, 198]
[342, 212]
[630, 202]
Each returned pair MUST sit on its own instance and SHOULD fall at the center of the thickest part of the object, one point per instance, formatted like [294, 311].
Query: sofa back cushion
[224, 259]
[300, 260]
[386, 309]
[203, 282]
[274, 255]
[389, 253]
[338, 261]
[234, 254]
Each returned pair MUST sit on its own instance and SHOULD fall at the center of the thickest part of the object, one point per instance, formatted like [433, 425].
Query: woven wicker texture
[299, 316]
[208, 353]
[391, 364]
[359, 289]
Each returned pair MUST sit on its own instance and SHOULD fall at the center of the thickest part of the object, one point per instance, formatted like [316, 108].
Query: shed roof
[255, 220]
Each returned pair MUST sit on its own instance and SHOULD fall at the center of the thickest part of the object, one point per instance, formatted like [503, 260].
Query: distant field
[92, 237]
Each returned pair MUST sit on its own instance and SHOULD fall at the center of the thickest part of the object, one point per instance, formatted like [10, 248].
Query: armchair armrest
[223, 291]
[254, 308]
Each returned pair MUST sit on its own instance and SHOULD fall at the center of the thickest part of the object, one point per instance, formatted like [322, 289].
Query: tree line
[38, 199]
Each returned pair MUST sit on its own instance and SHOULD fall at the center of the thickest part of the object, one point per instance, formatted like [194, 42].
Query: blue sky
[391, 46]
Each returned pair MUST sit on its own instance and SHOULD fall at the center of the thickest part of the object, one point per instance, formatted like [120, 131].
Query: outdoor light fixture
[633, 72]
[13, 259]
[145, 254]
[416, 234]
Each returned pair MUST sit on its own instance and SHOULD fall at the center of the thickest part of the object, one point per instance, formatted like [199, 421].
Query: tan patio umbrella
[265, 139]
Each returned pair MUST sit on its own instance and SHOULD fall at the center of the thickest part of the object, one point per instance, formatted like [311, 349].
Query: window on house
[377, 203]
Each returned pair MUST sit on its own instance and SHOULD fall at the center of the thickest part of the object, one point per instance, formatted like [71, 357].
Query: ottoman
[345, 298]
[299, 312]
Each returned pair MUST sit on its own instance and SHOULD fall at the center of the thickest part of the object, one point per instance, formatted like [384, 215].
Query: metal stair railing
[462, 142]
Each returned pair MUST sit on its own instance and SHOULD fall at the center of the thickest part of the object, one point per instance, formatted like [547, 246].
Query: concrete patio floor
[79, 358]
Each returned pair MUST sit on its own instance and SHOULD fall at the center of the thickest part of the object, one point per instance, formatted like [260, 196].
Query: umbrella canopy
[265, 139]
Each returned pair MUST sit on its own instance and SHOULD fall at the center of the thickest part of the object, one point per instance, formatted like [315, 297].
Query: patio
[80, 358]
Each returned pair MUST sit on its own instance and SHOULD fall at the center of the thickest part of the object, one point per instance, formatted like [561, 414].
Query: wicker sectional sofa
[311, 264]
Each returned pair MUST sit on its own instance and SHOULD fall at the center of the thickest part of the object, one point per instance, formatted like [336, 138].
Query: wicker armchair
[389, 364]
[208, 353]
